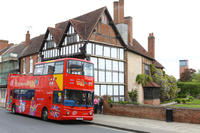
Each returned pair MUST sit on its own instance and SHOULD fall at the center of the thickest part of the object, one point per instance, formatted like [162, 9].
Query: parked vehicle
[61, 89]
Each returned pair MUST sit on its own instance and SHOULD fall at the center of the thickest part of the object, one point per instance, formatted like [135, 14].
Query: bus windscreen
[80, 68]
[78, 98]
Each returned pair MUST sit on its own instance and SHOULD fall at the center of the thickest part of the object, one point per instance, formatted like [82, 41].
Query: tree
[169, 89]
[196, 76]
[143, 79]
[187, 75]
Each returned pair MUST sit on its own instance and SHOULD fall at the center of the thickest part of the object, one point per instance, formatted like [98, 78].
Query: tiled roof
[56, 33]
[137, 48]
[80, 27]
[4, 50]
[62, 25]
[90, 19]
[152, 85]
[16, 49]
[33, 47]
[158, 65]
[83, 24]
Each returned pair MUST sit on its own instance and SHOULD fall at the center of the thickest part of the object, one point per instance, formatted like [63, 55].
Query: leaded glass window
[106, 51]
[96, 90]
[101, 63]
[101, 76]
[108, 76]
[99, 50]
[103, 90]
[108, 64]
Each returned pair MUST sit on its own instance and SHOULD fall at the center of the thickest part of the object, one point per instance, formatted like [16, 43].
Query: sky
[175, 24]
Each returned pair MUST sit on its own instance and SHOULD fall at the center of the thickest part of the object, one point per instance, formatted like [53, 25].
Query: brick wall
[3, 44]
[27, 59]
[105, 33]
[186, 115]
[152, 102]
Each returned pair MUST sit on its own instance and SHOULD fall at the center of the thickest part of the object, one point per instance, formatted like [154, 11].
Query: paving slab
[144, 125]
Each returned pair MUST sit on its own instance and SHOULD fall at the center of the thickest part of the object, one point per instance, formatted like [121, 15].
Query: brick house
[108, 43]
[30, 54]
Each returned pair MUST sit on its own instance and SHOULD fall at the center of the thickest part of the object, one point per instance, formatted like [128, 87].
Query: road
[15, 123]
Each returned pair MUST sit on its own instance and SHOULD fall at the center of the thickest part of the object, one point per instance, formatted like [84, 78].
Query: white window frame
[24, 66]
[31, 65]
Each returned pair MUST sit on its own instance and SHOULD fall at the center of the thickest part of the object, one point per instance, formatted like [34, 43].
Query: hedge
[189, 88]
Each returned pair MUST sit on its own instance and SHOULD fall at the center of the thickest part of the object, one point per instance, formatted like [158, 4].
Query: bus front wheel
[13, 109]
[45, 114]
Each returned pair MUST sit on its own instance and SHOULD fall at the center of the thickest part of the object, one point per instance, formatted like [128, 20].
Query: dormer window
[49, 42]
[71, 31]
[50, 37]
[72, 36]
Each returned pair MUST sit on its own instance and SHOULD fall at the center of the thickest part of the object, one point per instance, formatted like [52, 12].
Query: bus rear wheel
[45, 114]
[13, 109]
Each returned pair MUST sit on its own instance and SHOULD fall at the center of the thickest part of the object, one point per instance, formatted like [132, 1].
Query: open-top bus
[61, 89]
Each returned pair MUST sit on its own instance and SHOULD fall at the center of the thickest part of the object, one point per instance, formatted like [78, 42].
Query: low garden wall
[187, 115]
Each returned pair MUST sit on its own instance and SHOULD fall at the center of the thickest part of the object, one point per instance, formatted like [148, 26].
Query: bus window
[78, 98]
[11, 92]
[39, 69]
[80, 68]
[49, 68]
[88, 69]
[23, 94]
[59, 67]
[16, 94]
[57, 96]
[75, 67]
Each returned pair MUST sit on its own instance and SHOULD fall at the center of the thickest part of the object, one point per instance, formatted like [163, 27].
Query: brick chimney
[11, 44]
[3, 44]
[119, 11]
[151, 45]
[123, 24]
[27, 41]
[128, 21]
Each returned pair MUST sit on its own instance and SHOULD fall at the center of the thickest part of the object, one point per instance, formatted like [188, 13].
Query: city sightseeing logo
[26, 83]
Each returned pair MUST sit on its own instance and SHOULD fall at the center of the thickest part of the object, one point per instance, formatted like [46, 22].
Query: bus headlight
[90, 113]
[68, 112]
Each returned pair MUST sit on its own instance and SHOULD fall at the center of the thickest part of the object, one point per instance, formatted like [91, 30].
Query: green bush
[109, 100]
[190, 98]
[182, 100]
[123, 102]
[178, 100]
[133, 95]
[189, 88]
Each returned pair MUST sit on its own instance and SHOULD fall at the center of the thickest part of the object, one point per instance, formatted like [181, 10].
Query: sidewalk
[144, 125]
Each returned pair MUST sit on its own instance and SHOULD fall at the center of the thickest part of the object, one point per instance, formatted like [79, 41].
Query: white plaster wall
[135, 68]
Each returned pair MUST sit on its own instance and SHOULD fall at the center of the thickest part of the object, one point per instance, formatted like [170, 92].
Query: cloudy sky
[175, 23]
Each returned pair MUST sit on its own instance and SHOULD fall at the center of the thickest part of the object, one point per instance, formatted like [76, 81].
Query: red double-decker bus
[61, 89]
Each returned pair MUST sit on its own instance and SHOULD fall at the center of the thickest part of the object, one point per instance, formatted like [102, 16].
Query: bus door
[55, 111]
[9, 99]
[30, 102]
